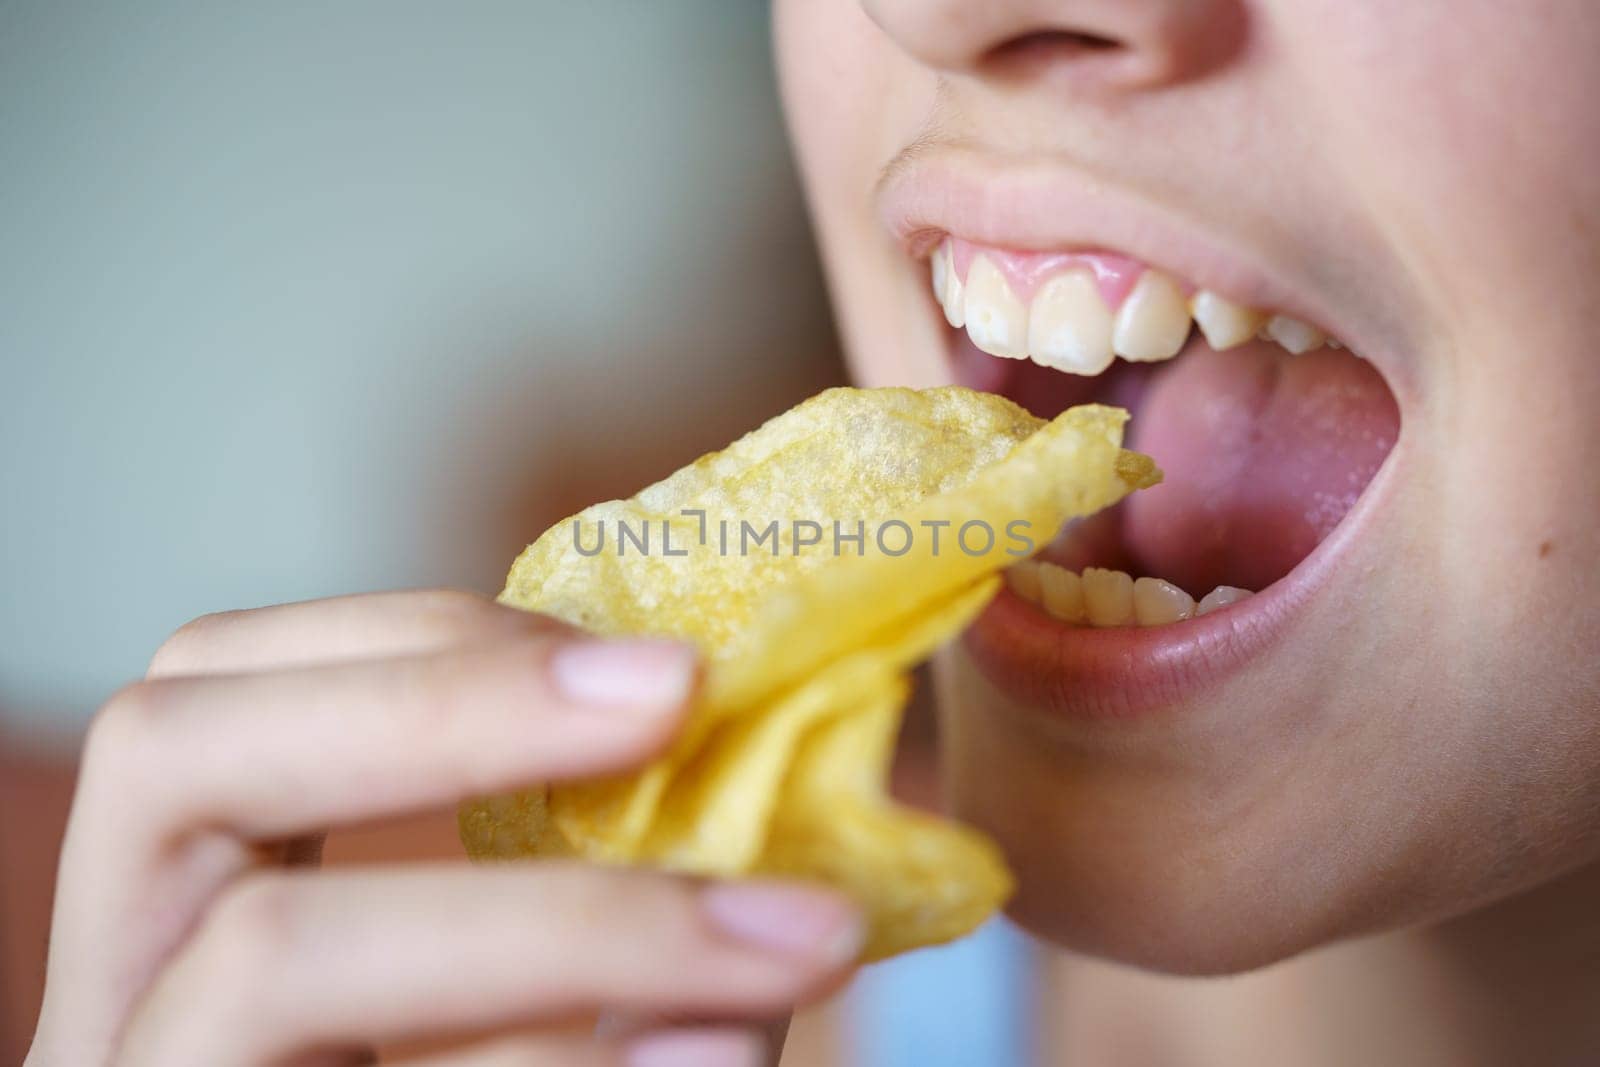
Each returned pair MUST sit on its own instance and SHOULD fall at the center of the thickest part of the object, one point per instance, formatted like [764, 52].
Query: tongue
[1263, 456]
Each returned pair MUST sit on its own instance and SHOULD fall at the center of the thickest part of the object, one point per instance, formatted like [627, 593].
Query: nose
[1105, 44]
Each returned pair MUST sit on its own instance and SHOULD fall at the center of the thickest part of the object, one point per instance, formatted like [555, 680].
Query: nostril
[1125, 46]
[1046, 39]
[1047, 48]
[1082, 45]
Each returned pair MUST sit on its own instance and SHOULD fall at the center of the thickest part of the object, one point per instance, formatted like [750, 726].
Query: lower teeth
[1105, 598]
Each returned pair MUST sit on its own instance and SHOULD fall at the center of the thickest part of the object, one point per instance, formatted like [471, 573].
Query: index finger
[773, 1032]
[336, 629]
[270, 755]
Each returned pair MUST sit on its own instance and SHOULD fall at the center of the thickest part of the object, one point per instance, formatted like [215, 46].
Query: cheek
[1471, 133]
[853, 101]
[1473, 136]
[840, 79]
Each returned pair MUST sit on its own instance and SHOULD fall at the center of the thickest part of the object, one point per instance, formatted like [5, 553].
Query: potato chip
[714, 819]
[813, 562]
[920, 879]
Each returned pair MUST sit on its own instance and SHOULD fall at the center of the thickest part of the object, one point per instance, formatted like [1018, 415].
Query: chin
[1135, 850]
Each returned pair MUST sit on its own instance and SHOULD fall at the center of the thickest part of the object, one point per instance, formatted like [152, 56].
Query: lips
[1269, 435]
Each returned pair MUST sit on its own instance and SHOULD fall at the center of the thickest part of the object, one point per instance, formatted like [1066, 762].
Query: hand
[189, 928]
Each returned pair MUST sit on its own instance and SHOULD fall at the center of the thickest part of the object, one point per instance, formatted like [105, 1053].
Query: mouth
[1271, 432]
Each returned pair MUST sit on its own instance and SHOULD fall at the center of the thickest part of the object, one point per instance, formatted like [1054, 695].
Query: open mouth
[1267, 428]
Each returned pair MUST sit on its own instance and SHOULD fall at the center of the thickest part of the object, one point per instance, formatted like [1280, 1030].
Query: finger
[272, 755]
[286, 963]
[720, 1047]
[167, 788]
[364, 626]
[770, 1034]
[701, 1047]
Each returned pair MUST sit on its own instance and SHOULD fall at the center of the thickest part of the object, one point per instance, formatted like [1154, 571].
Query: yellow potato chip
[714, 818]
[813, 562]
[920, 879]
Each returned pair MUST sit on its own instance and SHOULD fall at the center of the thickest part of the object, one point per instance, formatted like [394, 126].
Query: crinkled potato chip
[814, 562]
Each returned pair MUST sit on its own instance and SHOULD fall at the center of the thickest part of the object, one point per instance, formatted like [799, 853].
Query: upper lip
[1046, 205]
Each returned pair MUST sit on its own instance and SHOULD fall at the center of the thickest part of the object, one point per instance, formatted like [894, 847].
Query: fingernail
[785, 918]
[632, 673]
[696, 1048]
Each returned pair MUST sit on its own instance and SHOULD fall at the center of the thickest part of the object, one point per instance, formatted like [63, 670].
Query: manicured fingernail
[696, 1048]
[641, 674]
[787, 918]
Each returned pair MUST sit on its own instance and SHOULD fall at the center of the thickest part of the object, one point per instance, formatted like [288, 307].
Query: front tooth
[1153, 320]
[1294, 335]
[955, 301]
[1224, 323]
[1024, 580]
[1062, 593]
[939, 263]
[996, 320]
[1157, 602]
[950, 290]
[1108, 597]
[1069, 326]
[1221, 597]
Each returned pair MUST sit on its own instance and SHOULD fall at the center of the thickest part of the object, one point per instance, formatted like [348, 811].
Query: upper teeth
[948, 288]
[1069, 326]
[996, 320]
[1223, 322]
[1153, 321]
[1294, 335]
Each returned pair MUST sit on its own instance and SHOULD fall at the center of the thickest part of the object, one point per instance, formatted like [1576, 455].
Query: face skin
[1420, 735]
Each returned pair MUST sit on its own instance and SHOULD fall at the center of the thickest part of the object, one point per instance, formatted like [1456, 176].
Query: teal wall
[301, 298]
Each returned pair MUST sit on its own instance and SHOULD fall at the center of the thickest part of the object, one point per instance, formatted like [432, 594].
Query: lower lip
[1082, 672]
[1137, 673]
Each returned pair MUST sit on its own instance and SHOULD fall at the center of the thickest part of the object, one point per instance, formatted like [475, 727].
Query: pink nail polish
[633, 673]
[791, 919]
[696, 1048]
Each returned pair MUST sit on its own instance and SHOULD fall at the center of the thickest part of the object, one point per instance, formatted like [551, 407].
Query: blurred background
[301, 299]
